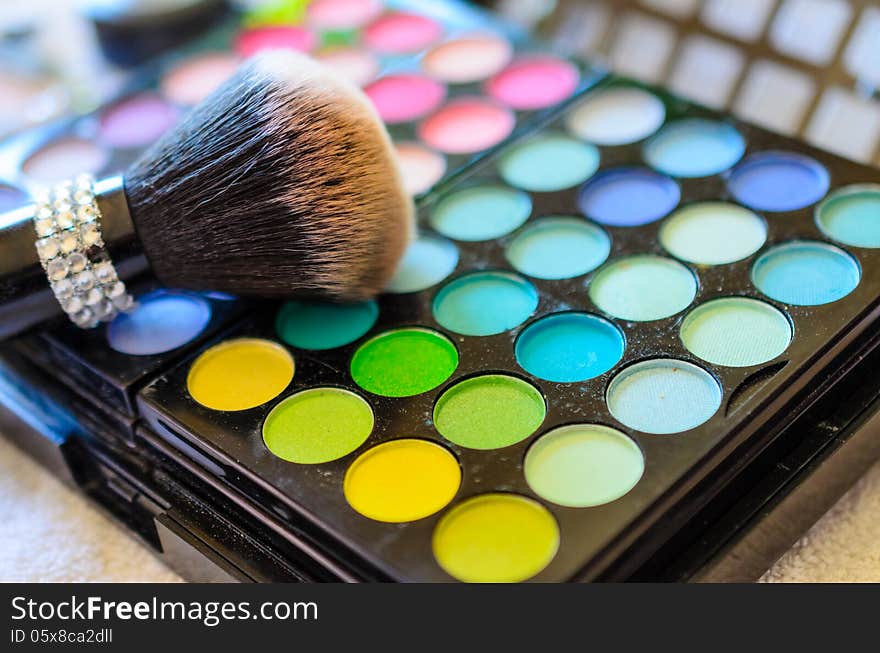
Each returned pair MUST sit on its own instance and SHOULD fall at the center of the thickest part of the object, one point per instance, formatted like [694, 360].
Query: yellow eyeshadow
[496, 538]
[240, 374]
[402, 480]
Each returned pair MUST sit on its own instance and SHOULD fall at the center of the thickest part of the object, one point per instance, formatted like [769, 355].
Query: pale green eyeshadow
[583, 465]
[481, 213]
[643, 288]
[852, 216]
[736, 332]
[550, 162]
[713, 233]
[559, 248]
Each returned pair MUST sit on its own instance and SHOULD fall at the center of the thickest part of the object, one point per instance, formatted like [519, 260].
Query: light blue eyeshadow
[806, 273]
[778, 181]
[559, 248]
[162, 321]
[318, 325]
[485, 303]
[569, 347]
[695, 148]
[481, 213]
[852, 215]
[663, 396]
[628, 197]
[549, 162]
[428, 261]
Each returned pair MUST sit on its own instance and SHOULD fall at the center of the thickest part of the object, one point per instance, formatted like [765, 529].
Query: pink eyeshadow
[534, 83]
[402, 33]
[137, 121]
[65, 159]
[421, 167]
[401, 98]
[275, 37]
[468, 59]
[467, 125]
[343, 14]
[358, 66]
[191, 81]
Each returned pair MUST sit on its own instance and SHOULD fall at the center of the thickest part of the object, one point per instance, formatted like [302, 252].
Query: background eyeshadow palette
[602, 323]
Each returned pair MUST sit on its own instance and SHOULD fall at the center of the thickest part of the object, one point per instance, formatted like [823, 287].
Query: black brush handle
[25, 297]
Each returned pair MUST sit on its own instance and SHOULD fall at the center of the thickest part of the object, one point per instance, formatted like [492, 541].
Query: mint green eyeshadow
[559, 248]
[485, 303]
[481, 213]
[852, 216]
[736, 332]
[428, 261]
[323, 325]
[549, 162]
[713, 233]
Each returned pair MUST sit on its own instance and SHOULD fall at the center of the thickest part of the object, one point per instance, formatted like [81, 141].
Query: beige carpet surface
[50, 533]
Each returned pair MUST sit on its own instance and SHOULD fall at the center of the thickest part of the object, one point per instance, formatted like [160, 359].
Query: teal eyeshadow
[806, 273]
[322, 325]
[549, 163]
[695, 148]
[663, 396]
[481, 213]
[569, 347]
[559, 248]
[852, 216]
[428, 261]
[643, 288]
[485, 303]
[736, 332]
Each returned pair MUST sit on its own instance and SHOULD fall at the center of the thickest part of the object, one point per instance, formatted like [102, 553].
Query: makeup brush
[282, 183]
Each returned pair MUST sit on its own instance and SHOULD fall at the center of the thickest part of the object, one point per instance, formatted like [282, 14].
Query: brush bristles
[282, 183]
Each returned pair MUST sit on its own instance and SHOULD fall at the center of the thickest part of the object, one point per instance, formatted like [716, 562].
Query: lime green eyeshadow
[323, 325]
[318, 425]
[489, 412]
[404, 363]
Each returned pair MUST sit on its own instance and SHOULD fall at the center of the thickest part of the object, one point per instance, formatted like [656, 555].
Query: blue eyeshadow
[806, 273]
[162, 321]
[778, 181]
[428, 261]
[695, 148]
[628, 197]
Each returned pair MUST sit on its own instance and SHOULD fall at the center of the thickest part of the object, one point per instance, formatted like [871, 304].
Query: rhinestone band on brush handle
[71, 249]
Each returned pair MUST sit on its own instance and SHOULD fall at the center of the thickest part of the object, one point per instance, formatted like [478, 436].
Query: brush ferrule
[71, 249]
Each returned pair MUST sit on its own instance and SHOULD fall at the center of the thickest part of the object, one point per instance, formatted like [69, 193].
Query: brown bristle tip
[282, 183]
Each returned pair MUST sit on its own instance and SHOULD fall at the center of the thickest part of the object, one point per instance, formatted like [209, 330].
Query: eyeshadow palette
[595, 321]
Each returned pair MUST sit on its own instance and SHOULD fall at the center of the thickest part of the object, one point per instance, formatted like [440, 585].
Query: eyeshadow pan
[405, 97]
[64, 159]
[402, 33]
[421, 168]
[402, 480]
[695, 147]
[583, 465]
[467, 125]
[192, 80]
[428, 261]
[317, 325]
[485, 303]
[274, 37]
[481, 212]
[162, 321]
[617, 116]
[643, 288]
[11, 197]
[404, 362]
[559, 248]
[489, 412]
[569, 347]
[549, 162]
[357, 65]
[534, 82]
[628, 197]
[851, 215]
[240, 374]
[806, 273]
[496, 538]
[137, 121]
[663, 396]
[736, 332]
[318, 425]
[713, 233]
[778, 181]
[343, 14]
[468, 59]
